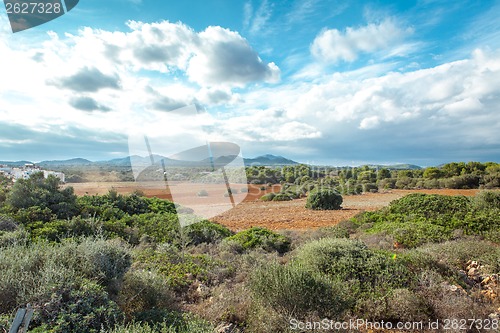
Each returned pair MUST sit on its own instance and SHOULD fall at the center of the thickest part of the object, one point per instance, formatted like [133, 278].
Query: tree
[383, 174]
[44, 193]
[432, 173]
[324, 199]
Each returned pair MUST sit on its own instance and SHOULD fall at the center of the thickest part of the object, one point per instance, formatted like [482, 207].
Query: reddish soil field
[181, 190]
[253, 212]
[294, 215]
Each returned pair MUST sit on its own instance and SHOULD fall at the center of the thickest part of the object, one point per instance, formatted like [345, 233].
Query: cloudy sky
[325, 82]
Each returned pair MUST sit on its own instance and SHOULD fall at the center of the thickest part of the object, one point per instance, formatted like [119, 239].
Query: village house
[26, 171]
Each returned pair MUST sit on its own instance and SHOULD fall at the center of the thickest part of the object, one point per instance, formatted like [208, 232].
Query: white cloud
[334, 45]
[257, 22]
[223, 57]
[213, 57]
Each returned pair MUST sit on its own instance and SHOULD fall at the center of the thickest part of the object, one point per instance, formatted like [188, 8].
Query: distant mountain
[269, 159]
[17, 163]
[70, 162]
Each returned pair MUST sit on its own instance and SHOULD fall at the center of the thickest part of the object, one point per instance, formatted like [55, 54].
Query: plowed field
[253, 212]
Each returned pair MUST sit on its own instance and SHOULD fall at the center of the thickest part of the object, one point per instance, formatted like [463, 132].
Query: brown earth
[294, 215]
[253, 212]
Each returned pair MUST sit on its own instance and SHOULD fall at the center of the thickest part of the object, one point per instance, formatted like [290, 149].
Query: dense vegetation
[297, 180]
[122, 263]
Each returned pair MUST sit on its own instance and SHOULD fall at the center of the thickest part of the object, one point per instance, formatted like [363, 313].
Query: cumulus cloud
[213, 57]
[88, 79]
[334, 45]
[85, 103]
[224, 57]
[452, 107]
[215, 96]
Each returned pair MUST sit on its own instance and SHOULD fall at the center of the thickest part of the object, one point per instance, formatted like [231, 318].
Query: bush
[334, 232]
[244, 190]
[7, 223]
[296, 292]
[173, 323]
[179, 270]
[206, 232]
[350, 260]
[282, 197]
[268, 197]
[263, 238]
[143, 291]
[324, 199]
[81, 307]
[487, 200]
[70, 282]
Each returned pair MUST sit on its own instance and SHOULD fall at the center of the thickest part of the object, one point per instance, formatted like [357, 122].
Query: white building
[26, 172]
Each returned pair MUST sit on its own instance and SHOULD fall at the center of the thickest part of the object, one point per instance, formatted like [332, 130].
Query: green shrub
[261, 237]
[296, 292]
[370, 187]
[282, 197]
[430, 205]
[205, 232]
[80, 307]
[324, 199]
[178, 269]
[268, 197]
[351, 260]
[18, 237]
[142, 291]
[487, 200]
[335, 231]
[161, 227]
[104, 261]
[173, 323]
[244, 190]
[7, 223]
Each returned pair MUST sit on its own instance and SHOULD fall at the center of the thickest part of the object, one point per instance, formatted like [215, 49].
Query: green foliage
[205, 232]
[261, 237]
[179, 270]
[82, 307]
[351, 260]
[324, 199]
[430, 205]
[173, 323]
[296, 292]
[116, 206]
[268, 197]
[282, 197]
[335, 231]
[432, 173]
[143, 291]
[160, 227]
[69, 283]
[43, 193]
[419, 218]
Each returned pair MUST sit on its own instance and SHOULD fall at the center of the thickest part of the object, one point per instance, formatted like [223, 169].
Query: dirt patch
[293, 214]
[253, 212]
[182, 190]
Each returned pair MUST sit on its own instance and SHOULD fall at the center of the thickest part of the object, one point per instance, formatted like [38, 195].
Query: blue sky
[325, 82]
